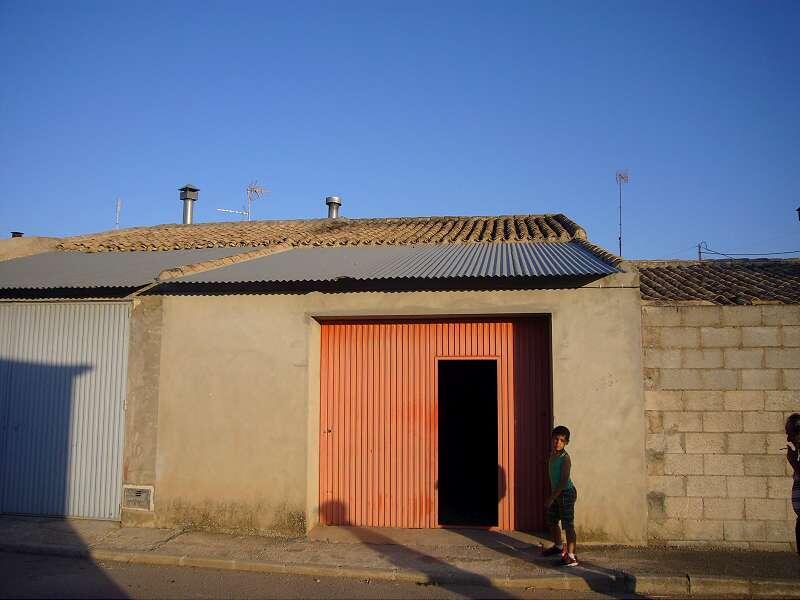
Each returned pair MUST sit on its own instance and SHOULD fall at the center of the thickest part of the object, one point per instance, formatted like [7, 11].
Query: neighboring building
[721, 374]
[281, 374]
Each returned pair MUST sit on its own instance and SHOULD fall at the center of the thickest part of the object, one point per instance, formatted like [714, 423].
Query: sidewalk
[441, 557]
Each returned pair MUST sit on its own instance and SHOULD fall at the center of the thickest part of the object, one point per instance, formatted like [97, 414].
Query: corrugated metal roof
[101, 269]
[413, 262]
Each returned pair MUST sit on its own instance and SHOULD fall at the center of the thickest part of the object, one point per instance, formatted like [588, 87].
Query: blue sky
[408, 108]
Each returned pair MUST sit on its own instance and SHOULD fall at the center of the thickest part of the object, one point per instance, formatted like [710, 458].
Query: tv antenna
[117, 211]
[622, 177]
[251, 192]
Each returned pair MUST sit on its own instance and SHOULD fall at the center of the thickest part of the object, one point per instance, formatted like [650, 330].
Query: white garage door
[62, 389]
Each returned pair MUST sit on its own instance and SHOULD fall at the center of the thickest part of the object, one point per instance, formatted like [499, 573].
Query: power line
[754, 253]
[768, 253]
[703, 247]
[710, 251]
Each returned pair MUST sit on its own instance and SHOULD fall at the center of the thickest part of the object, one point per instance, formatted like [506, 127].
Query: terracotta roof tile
[338, 232]
[721, 281]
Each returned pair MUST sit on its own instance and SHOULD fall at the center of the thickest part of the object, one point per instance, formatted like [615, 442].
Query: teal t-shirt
[555, 470]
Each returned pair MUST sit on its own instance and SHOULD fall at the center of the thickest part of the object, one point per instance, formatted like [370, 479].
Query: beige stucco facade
[236, 417]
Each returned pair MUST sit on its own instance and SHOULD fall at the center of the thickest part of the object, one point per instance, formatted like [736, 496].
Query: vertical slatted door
[377, 425]
[63, 369]
[378, 416]
[533, 408]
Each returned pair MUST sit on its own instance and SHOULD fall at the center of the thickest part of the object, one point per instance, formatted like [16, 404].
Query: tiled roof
[336, 232]
[721, 281]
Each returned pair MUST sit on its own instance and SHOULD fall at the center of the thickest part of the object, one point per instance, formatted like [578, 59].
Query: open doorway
[468, 465]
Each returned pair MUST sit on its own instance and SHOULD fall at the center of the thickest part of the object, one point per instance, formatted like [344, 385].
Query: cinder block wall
[719, 383]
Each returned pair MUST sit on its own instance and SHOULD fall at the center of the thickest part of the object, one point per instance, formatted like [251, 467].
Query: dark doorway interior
[468, 479]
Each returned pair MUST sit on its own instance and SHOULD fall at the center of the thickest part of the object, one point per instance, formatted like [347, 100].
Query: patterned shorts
[563, 509]
[796, 499]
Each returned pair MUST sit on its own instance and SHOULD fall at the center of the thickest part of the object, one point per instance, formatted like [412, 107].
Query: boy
[561, 503]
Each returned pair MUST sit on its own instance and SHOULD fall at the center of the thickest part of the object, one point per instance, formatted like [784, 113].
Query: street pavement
[38, 576]
[498, 561]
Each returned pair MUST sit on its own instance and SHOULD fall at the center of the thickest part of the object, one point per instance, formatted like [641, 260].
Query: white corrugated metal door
[62, 389]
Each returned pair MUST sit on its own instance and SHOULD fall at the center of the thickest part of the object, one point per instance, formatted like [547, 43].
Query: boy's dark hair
[793, 424]
[561, 430]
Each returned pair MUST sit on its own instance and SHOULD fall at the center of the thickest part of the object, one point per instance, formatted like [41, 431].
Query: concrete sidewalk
[442, 557]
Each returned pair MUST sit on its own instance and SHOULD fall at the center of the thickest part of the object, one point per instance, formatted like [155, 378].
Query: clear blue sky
[408, 108]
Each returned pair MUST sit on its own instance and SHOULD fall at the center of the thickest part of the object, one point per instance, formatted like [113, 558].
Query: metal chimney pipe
[333, 202]
[189, 197]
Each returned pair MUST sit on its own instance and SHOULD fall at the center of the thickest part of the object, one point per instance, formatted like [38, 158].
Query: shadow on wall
[36, 407]
[37, 447]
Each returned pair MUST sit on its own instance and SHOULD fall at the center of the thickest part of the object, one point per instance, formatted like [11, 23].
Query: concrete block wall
[719, 384]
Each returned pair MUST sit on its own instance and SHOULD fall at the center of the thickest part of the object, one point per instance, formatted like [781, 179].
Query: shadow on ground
[598, 578]
[449, 576]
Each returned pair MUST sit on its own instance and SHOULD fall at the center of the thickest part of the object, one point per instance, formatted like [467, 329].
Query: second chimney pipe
[333, 202]
[189, 197]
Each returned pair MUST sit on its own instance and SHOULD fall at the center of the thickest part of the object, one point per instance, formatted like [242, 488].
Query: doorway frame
[488, 357]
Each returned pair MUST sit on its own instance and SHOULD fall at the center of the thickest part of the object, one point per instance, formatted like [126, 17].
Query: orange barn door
[378, 417]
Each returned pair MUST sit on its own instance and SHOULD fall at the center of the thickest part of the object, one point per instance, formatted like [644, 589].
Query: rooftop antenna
[251, 192]
[622, 177]
[117, 211]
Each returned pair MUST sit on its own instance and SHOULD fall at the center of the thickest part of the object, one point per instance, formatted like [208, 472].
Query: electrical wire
[708, 250]
[733, 254]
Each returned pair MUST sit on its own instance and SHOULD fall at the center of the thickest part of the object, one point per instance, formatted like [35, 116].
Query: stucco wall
[26, 246]
[141, 403]
[239, 394]
[719, 383]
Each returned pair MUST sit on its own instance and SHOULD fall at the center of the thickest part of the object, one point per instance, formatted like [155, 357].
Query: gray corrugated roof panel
[99, 269]
[495, 260]
[501, 260]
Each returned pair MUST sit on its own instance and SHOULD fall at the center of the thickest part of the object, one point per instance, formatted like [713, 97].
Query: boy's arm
[566, 467]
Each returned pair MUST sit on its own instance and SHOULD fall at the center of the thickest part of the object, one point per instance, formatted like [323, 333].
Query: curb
[663, 585]
[600, 583]
[670, 585]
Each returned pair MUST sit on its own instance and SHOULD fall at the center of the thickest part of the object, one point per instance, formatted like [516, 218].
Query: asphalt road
[34, 576]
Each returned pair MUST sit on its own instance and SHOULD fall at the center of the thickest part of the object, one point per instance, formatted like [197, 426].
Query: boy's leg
[555, 534]
[552, 517]
[568, 518]
[571, 539]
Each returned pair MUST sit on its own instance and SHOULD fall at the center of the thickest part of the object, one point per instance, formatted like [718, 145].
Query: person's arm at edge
[791, 456]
